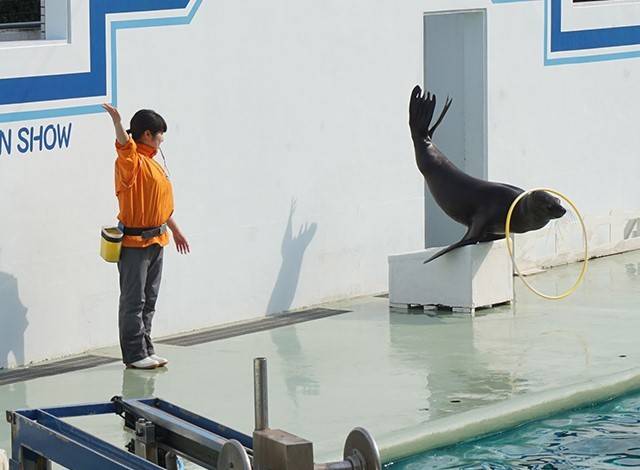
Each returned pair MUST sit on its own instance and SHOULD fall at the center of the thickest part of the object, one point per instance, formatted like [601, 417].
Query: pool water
[599, 437]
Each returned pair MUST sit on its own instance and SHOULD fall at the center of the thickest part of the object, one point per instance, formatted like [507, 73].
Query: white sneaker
[146, 363]
[161, 360]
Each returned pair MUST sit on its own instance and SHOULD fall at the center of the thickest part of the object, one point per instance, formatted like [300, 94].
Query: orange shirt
[144, 192]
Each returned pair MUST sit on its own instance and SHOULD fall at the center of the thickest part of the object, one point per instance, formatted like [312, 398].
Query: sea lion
[480, 205]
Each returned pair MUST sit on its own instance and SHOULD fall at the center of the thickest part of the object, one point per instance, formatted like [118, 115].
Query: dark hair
[146, 120]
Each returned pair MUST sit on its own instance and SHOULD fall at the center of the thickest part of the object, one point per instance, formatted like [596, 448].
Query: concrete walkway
[384, 370]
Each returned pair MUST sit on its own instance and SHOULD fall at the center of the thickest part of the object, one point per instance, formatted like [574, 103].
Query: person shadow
[298, 375]
[13, 323]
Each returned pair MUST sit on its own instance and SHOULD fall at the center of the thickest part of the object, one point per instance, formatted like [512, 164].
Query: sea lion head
[544, 206]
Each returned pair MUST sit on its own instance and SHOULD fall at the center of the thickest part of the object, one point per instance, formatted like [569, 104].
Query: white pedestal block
[465, 279]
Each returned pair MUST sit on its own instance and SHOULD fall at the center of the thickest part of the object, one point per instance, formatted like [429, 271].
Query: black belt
[145, 233]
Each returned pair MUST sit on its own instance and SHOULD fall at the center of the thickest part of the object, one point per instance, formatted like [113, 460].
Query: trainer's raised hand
[113, 112]
[121, 135]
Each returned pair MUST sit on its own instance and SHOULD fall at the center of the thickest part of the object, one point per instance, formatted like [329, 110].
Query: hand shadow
[297, 370]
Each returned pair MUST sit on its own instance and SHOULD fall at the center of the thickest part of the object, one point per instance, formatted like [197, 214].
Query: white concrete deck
[384, 370]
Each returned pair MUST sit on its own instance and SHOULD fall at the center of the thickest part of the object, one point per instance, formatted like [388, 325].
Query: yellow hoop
[507, 233]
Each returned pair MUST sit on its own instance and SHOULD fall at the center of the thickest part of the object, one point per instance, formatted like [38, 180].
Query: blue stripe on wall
[590, 38]
[88, 84]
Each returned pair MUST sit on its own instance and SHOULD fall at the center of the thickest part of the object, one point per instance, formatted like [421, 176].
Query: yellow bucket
[110, 244]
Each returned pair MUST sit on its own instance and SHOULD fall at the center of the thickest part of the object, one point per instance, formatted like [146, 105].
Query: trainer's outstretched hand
[113, 112]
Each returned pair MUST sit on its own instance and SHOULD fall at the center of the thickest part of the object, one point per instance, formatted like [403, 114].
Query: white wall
[567, 127]
[269, 103]
[265, 105]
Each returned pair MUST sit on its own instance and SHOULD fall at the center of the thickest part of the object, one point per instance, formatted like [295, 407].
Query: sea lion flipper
[413, 103]
[474, 235]
[464, 242]
[447, 104]
[421, 107]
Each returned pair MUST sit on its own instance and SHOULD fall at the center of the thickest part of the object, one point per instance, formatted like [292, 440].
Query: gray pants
[140, 273]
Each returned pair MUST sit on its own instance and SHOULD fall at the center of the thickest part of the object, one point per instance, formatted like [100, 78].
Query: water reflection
[454, 370]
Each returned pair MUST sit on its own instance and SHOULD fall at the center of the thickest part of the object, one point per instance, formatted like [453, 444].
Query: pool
[602, 436]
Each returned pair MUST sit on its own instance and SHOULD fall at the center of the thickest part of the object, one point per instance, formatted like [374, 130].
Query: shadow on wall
[632, 229]
[13, 323]
[292, 251]
[298, 374]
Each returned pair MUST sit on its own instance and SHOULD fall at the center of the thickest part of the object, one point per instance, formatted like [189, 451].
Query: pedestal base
[465, 279]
